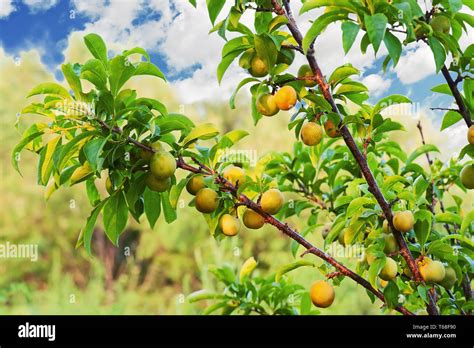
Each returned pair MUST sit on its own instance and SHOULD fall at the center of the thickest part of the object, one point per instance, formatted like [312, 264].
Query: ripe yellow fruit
[162, 165]
[247, 267]
[431, 271]
[383, 283]
[391, 244]
[305, 71]
[252, 219]
[331, 129]
[146, 155]
[286, 97]
[206, 200]
[235, 175]
[158, 185]
[266, 105]
[272, 201]
[229, 225]
[470, 135]
[440, 24]
[403, 221]
[449, 279]
[467, 176]
[311, 134]
[389, 271]
[258, 67]
[322, 294]
[195, 184]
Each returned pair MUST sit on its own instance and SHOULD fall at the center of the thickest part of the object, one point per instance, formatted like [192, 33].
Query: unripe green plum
[467, 176]
[389, 271]
[158, 185]
[449, 279]
[162, 165]
[195, 183]
[305, 72]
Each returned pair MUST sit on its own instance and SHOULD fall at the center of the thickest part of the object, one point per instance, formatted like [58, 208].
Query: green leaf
[423, 222]
[93, 71]
[168, 210]
[438, 52]
[115, 216]
[47, 162]
[349, 34]
[467, 222]
[459, 238]
[342, 73]
[439, 249]
[344, 4]
[50, 88]
[241, 84]
[92, 151]
[455, 5]
[152, 202]
[203, 131]
[420, 151]
[394, 47]
[24, 142]
[450, 118]
[72, 79]
[38, 109]
[136, 50]
[72, 148]
[390, 293]
[97, 47]
[319, 25]
[224, 64]
[376, 25]
[214, 7]
[448, 217]
[88, 229]
[442, 88]
[277, 22]
[266, 49]
[389, 101]
[375, 269]
[92, 192]
[147, 68]
[290, 267]
[357, 204]
[204, 295]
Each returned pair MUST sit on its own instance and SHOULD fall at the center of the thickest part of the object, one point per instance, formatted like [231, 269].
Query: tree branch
[457, 95]
[350, 142]
[269, 219]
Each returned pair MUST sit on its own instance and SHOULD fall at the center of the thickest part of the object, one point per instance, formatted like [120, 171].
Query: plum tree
[350, 185]
[206, 200]
[272, 201]
[403, 221]
[322, 294]
[311, 134]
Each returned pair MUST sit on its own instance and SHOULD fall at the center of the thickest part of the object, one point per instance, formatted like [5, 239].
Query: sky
[176, 35]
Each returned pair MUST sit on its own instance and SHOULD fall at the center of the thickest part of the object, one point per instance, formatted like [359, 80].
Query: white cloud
[40, 5]
[6, 7]
[376, 84]
[416, 64]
